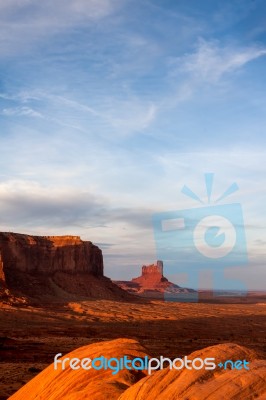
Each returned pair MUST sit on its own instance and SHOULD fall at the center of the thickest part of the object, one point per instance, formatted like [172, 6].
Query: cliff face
[48, 268]
[2, 278]
[46, 255]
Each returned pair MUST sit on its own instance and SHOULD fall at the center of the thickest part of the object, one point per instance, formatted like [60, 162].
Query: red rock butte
[152, 283]
[152, 275]
[46, 265]
[49, 254]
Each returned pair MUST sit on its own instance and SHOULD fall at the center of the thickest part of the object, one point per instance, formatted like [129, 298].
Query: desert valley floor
[32, 335]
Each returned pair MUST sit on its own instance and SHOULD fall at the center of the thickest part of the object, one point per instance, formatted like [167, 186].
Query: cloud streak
[124, 117]
[211, 66]
[25, 22]
[21, 111]
[30, 204]
[211, 61]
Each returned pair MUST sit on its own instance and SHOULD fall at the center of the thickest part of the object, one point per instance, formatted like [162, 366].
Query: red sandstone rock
[163, 384]
[49, 254]
[217, 384]
[2, 278]
[2, 274]
[82, 384]
[152, 276]
[39, 266]
[152, 283]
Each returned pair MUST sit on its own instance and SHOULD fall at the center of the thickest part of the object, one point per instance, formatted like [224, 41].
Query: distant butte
[152, 283]
[151, 276]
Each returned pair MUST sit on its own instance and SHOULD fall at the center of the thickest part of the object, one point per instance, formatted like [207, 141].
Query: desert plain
[32, 335]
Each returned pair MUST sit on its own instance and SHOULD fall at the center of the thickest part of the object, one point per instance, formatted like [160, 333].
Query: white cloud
[207, 66]
[62, 11]
[21, 111]
[124, 117]
[130, 116]
[24, 201]
[25, 22]
[210, 62]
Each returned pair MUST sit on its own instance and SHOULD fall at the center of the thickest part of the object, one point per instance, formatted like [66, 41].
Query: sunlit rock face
[49, 254]
[165, 384]
[55, 266]
[151, 275]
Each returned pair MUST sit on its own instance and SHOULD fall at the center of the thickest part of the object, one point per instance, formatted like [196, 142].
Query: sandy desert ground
[32, 335]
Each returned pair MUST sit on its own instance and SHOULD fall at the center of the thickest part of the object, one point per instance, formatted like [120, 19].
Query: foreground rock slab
[163, 384]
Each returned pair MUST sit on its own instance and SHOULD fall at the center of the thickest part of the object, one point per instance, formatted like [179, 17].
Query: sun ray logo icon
[209, 177]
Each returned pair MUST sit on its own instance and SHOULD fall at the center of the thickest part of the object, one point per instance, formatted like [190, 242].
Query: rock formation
[2, 278]
[152, 283]
[52, 265]
[2, 274]
[163, 384]
[49, 254]
[200, 384]
[152, 276]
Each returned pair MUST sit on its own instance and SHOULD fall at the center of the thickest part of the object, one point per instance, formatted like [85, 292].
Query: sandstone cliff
[3, 287]
[39, 266]
[49, 254]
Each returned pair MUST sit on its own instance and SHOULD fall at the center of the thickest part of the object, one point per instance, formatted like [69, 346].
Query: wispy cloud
[210, 65]
[124, 117]
[130, 116]
[21, 111]
[56, 12]
[211, 61]
[25, 22]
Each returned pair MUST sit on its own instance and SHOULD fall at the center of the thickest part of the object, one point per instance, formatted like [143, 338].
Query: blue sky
[109, 107]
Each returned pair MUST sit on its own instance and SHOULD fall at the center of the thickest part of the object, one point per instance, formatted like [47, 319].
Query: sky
[108, 108]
